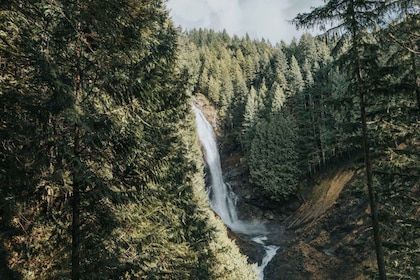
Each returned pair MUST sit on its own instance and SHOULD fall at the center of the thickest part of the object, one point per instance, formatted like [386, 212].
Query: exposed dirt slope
[323, 195]
[331, 233]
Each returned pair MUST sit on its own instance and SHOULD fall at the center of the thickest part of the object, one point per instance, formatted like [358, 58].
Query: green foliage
[250, 117]
[295, 79]
[362, 60]
[300, 80]
[398, 175]
[99, 165]
[321, 86]
[273, 161]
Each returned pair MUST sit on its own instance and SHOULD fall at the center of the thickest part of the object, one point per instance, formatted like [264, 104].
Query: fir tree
[354, 17]
[273, 158]
[295, 79]
[250, 117]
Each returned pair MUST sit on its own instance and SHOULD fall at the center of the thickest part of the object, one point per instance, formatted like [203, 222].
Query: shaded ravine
[221, 198]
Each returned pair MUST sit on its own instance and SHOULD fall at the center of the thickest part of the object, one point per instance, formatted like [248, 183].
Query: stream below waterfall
[223, 200]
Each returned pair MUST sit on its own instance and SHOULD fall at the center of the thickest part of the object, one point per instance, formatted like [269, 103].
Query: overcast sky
[259, 18]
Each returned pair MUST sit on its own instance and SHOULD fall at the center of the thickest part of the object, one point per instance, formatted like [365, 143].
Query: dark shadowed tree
[353, 17]
[86, 96]
[404, 31]
[273, 160]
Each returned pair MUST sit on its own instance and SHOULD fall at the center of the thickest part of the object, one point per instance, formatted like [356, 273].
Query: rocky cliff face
[209, 111]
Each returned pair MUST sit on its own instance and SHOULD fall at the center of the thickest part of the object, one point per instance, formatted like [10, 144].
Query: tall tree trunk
[372, 192]
[369, 178]
[75, 245]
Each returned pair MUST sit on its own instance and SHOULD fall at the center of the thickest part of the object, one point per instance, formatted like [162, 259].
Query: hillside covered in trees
[100, 170]
[299, 109]
[101, 173]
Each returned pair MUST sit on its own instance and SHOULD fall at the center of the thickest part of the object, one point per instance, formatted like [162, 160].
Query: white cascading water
[222, 199]
[270, 252]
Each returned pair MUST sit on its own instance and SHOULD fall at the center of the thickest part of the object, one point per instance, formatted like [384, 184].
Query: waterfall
[222, 199]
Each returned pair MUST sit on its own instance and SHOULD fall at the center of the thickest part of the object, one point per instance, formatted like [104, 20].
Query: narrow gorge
[223, 200]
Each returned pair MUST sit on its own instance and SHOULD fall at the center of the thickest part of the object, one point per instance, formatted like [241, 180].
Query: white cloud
[259, 18]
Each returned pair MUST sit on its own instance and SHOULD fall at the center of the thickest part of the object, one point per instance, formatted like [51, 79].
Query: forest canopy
[101, 173]
[353, 93]
[100, 169]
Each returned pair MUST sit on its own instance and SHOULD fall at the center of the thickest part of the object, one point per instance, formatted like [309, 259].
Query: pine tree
[226, 89]
[354, 17]
[278, 68]
[402, 31]
[295, 79]
[214, 91]
[250, 117]
[273, 160]
[277, 97]
[99, 106]
[240, 93]
[306, 50]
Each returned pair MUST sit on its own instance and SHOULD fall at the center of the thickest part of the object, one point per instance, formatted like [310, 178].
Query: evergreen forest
[101, 171]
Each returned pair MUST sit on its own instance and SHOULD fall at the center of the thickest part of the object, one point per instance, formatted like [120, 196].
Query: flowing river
[223, 200]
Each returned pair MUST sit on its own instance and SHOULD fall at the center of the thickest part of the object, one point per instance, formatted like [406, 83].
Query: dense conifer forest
[101, 173]
[351, 94]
